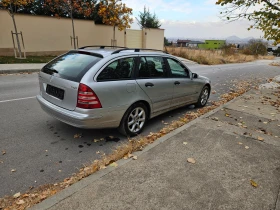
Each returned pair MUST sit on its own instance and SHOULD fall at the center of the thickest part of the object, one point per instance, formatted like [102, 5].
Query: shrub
[255, 47]
[228, 49]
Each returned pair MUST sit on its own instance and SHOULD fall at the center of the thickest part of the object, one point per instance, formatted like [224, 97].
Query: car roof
[121, 51]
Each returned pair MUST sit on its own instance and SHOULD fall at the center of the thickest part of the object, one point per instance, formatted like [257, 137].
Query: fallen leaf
[125, 157]
[20, 202]
[97, 152]
[25, 195]
[240, 143]
[264, 122]
[260, 138]
[185, 143]
[13, 170]
[129, 155]
[246, 147]
[95, 140]
[111, 137]
[219, 125]
[3, 152]
[214, 92]
[227, 115]
[114, 164]
[240, 124]
[253, 183]
[215, 118]
[134, 157]
[103, 167]
[78, 135]
[191, 160]
[16, 195]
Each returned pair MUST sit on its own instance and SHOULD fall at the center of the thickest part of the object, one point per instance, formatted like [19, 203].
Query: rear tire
[203, 97]
[134, 120]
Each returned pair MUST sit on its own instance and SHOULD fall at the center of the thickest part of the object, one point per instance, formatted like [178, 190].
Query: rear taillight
[87, 99]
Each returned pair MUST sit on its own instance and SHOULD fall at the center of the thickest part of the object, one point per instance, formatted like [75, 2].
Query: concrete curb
[17, 71]
[51, 201]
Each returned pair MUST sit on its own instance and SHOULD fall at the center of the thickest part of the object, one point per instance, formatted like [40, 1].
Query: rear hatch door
[59, 79]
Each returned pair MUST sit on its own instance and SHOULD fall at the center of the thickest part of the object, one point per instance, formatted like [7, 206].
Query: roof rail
[138, 50]
[101, 46]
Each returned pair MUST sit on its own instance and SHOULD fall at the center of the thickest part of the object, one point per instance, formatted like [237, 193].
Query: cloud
[218, 29]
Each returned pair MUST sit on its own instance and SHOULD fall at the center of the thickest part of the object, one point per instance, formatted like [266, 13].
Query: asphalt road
[43, 150]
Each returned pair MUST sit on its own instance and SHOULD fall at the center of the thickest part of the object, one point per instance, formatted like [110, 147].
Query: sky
[192, 19]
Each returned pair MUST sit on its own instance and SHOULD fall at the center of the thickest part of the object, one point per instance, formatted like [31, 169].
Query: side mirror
[194, 75]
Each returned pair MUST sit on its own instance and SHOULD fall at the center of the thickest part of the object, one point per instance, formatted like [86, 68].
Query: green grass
[29, 59]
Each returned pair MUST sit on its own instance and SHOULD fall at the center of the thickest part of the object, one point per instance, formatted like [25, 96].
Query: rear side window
[71, 66]
[121, 69]
[151, 67]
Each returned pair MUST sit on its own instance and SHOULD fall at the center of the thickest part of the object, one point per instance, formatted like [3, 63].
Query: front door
[185, 90]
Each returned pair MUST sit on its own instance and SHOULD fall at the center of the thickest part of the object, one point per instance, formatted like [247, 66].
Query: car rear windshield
[71, 66]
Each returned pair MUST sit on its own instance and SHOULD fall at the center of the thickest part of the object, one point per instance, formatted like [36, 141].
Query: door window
[151, 67]
[121, 69]
[177, 69]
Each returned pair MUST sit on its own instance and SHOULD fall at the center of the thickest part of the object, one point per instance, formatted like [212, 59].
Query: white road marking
[17, 99]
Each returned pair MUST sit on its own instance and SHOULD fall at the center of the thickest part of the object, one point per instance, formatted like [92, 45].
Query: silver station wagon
[105, 87]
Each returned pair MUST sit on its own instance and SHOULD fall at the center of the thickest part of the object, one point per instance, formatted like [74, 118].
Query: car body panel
[117, 96]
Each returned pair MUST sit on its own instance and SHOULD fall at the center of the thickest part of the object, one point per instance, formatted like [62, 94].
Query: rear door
[152, 78]
[59, 80]
[185, 90]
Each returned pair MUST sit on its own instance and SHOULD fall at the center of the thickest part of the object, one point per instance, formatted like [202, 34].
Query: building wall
[49, 34]
[153, 38]
[44, 35]
[212, 44]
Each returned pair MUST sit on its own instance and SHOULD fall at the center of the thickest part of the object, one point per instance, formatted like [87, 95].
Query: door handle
[149, 84]
[176, 83]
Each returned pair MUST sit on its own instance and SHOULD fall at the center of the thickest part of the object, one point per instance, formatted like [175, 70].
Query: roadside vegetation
[29, 59]
[254, 50]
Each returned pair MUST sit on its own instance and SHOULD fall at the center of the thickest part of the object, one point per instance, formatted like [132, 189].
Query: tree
[166, 42]
[68, 8]
[265, 15]
[12, 6]
[147, 20]
[116, 14]
[255, 47]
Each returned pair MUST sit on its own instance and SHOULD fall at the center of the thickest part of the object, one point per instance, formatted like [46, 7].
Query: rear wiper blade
[51, 70]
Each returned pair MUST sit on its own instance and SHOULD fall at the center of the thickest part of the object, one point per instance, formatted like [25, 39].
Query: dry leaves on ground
[191, 160]
[260, 138]
[253, 183]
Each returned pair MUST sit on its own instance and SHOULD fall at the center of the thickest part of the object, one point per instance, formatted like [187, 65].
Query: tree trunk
[74, 37]
[15, 26]
[114, 36]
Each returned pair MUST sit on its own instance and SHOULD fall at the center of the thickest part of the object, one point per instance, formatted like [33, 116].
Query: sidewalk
[20, 68]
[232, 145]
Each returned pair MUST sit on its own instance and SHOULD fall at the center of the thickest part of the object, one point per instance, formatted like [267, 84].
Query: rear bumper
[76, 119]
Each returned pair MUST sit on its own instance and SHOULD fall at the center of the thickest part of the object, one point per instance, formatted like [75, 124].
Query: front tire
[134, 120]
[203, 97]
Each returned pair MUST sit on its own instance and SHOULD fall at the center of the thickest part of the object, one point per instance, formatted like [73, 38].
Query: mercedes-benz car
[112, 87]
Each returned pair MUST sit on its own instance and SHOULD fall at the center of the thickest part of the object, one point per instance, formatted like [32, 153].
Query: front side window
[121, 69]
[151, 67]
[177, 69]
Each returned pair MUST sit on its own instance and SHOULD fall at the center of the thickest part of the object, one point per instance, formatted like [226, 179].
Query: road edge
[18, 71]
[67, 192]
